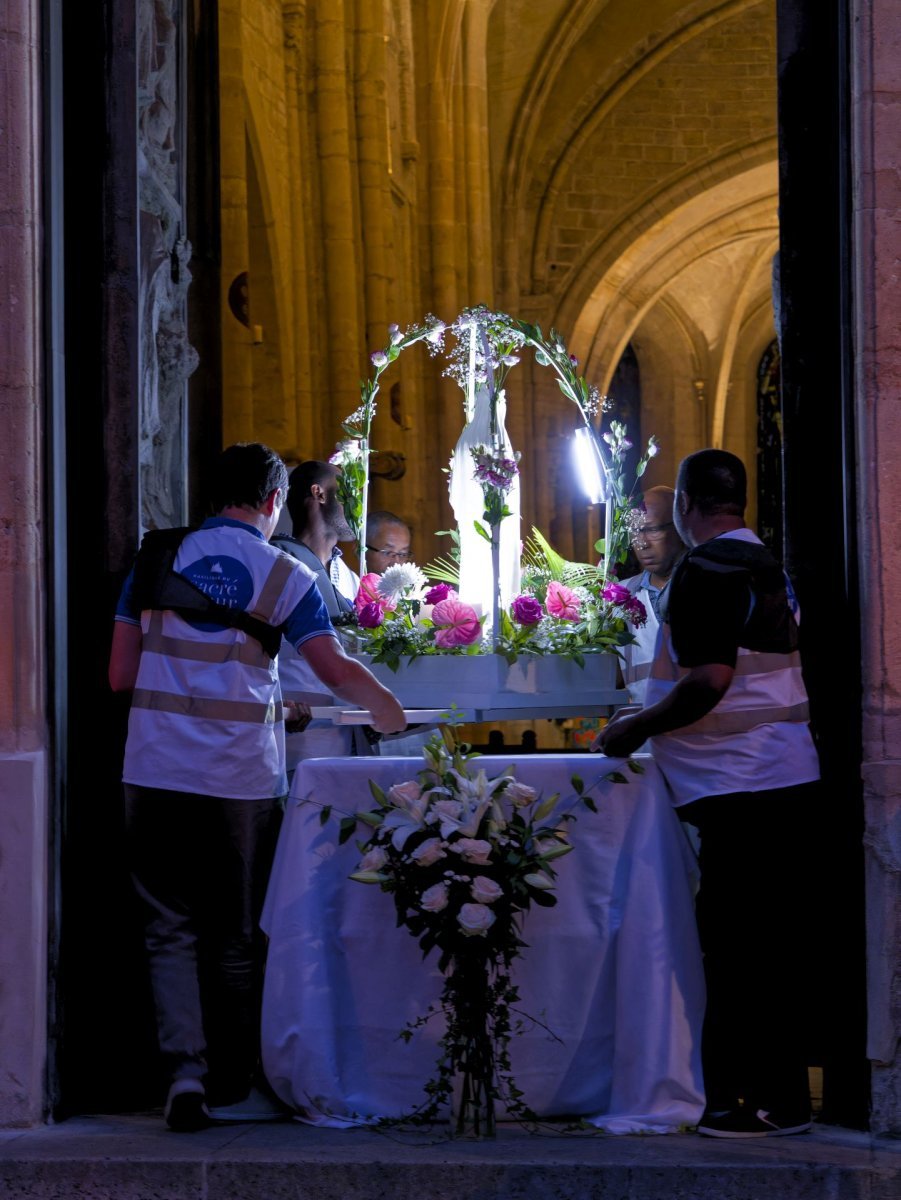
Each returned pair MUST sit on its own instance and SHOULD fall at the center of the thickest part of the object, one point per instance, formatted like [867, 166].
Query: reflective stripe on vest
[282, 569]
[242, 711]
[740, 709]
[248, 652]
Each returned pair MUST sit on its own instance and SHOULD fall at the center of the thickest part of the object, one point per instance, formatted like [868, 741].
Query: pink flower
[440, 591]
[456, 623]
[526, 610]
[615, 593]
[371, 615]
[379, 359]
[368, 593]
[562, 602]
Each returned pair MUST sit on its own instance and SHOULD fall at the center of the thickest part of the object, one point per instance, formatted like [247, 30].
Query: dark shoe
[743, 1123]
[186, 1109]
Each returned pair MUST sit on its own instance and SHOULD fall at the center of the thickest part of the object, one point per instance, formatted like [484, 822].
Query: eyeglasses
[650, 533]
[397, 555]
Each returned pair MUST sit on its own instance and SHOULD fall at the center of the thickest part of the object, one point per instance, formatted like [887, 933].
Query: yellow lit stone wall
[605, 168]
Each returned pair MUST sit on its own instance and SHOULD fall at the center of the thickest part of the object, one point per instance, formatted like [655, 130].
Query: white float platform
[485, 687]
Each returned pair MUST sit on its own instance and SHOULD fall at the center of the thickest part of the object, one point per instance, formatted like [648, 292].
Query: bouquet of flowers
[399, 615]
[464, 857]
[565, 608]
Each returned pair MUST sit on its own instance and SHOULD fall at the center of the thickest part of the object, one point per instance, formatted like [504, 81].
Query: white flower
[539, 880]
[405, 795]
[475, 919]
[373, 860]
[519, 794]
[485, 890]
[428, 852]
[402, 580]
[379, 359]
[395, 334]
[473, 850]
[435, 898]
[406, 818]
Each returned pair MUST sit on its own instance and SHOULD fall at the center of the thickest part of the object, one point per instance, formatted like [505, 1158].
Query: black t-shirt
[724, 594]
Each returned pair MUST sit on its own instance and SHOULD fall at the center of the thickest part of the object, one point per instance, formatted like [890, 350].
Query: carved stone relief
[167, 357]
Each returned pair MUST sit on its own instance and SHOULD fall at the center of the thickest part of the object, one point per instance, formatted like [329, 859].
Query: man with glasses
[657, 546]
[387, 541]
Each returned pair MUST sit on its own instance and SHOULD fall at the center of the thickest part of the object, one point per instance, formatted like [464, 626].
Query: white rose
[475, 919]
[519, 793]
[435, 898]
[428, 852]
[485, 890]
[374, 860]
[473, 850]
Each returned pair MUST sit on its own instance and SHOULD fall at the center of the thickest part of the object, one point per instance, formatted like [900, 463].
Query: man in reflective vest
[726, 714]
[204, 770]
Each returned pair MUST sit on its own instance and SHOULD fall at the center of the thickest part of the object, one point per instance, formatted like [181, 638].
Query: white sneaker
[257, 1105]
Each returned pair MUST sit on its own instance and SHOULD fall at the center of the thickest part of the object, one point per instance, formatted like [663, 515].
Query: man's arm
[125, 655]
[693, 697]
[350, 680]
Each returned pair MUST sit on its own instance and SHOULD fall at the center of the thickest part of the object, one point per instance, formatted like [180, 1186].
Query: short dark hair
[375, 521]
[299, 489]
[246, 474]
[715, 482]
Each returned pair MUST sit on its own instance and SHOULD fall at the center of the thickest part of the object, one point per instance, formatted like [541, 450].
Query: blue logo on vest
[225, 580]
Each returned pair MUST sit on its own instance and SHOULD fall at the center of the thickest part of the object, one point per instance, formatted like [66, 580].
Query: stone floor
[136, 1158]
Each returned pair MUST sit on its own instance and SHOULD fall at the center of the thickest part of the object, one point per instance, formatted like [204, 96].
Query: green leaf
[481, 530]
[635, 767]
[368, 818]
[578, 784]
[546, 807]
[325, 813]
[589, 804]
[346, 829]
[616, 777]
[378, 793]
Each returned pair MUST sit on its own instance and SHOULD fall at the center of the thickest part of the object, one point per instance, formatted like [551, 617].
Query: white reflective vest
[206, 714]
[638, 655]
[756, 738]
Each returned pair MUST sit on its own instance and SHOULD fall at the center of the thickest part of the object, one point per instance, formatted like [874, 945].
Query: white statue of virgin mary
[467, 501]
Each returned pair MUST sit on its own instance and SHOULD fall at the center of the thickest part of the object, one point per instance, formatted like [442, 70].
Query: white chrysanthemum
[402, 581]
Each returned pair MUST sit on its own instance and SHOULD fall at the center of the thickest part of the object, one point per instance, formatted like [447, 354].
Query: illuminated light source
[589, 465]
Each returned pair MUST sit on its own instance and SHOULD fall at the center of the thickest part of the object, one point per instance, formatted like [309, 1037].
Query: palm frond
[443, 570]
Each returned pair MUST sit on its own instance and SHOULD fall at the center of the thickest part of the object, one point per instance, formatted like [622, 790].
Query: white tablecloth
[614, 970]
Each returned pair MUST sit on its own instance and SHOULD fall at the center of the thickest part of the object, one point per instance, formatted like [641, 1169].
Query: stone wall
[24, 762]
[876, 90]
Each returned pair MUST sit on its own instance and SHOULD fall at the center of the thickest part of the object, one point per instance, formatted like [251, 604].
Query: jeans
[200, 865]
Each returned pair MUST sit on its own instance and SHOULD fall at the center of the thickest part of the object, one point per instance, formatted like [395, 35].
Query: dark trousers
[200, 865]
[753, 909]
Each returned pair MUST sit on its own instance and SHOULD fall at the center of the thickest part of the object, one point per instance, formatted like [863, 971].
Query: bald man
[657, 547]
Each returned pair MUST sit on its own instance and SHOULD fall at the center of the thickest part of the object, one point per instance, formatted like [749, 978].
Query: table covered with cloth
[613, 971]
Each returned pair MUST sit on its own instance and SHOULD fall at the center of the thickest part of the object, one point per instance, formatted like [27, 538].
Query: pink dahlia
[562, 602]
[456, 623]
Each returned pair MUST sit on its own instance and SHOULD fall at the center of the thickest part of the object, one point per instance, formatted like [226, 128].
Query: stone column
[876, 118]
[23, 699]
